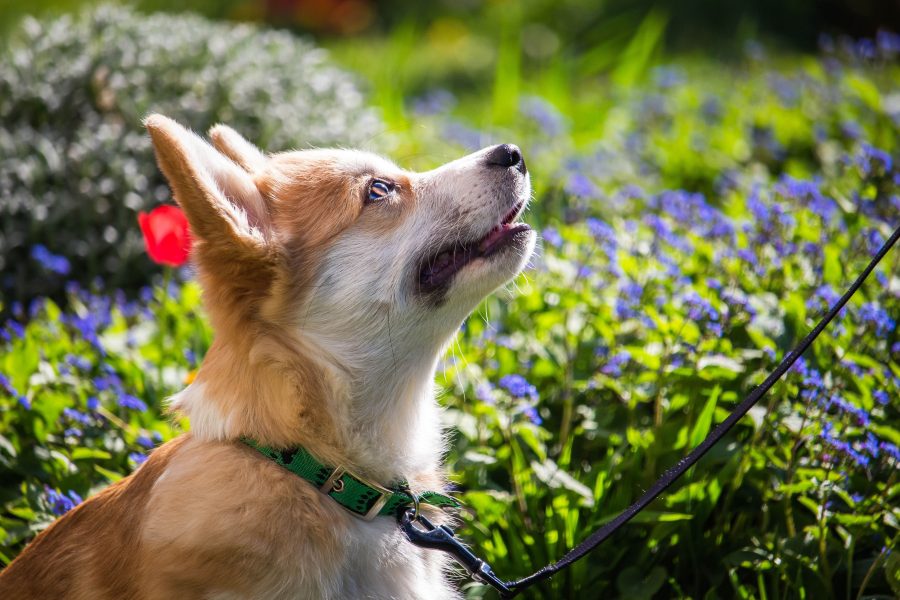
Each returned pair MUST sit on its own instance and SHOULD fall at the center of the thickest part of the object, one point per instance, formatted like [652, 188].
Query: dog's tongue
[493, 236]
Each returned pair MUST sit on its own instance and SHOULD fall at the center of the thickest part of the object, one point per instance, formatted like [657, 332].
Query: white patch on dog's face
[404, 275]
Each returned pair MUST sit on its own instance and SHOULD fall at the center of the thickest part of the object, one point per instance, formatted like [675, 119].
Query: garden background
[707, 179]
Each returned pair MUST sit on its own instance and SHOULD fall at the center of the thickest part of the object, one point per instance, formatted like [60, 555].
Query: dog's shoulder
[90, 551]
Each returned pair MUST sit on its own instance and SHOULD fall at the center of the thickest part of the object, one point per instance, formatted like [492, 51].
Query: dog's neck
[380, 418]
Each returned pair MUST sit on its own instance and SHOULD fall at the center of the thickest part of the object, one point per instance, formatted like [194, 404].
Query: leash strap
[676, 471]
[365, 499]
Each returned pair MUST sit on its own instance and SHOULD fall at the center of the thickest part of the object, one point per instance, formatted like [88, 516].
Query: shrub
[75, 163]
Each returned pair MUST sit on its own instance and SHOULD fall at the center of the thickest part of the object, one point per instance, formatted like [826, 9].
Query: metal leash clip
[443, 538]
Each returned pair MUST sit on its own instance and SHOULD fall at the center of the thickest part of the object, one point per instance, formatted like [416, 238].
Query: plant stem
[875, 564]
[823, 547]
[163, 327]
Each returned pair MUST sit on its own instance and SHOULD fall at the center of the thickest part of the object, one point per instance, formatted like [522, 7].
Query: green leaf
[82, 453]
[111, 475]
[704, 420]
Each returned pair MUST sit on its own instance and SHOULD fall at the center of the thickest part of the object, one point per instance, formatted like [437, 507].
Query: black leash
[442, 537]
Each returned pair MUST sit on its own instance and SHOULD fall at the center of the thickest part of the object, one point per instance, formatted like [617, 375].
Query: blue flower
[80, 363]
[746, 255]
[137, 457]
[16, 328]
[552, 237]
[580, 186]
[668, 76]
[874, 316]
[807, 192]
[890, 449]
[93, 403]
[7, 386]
[823, 297]
[88, 327]
[630, 299]
[616, 362]
[484, 391]
[144, 441]
[532, 414]
[873, 161]
[699, 308]
[434, 102]
[463, 135]
[859, 415]
[548, 118]
[888, 43]
[49, 261]
[77, 416]
[518, 387]
[108, 382]
[601, 231]
[881, 397]
[132, 402]
[61, 503]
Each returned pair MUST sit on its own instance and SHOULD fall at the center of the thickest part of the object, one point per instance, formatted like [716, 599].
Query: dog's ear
[229, 217]
[218, 197]
[233, 145]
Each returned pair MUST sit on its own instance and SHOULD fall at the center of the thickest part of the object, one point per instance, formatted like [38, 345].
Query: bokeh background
[708, 178]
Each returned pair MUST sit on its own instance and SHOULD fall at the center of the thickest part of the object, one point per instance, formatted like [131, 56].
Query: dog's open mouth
[440, 268]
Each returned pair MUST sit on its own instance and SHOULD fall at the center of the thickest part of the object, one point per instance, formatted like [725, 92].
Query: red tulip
[166, 235]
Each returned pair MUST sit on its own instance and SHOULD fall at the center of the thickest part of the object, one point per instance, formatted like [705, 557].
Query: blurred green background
[707, 176]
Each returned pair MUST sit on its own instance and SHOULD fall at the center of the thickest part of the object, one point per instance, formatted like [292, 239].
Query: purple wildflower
[518, 387]
[552, 237]
[532, 414]
[132, 402]
[616, 362]
[77, 416]
[61, 503]
[580, 186]
[548, 118]
[49, 261]
[484, 391]
[137, 457]
[434, 102]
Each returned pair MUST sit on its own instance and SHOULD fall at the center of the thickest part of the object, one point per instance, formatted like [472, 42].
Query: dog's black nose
[507, 155]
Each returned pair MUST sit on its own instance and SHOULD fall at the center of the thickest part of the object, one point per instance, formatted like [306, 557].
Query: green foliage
[76, 164]
[694, 227]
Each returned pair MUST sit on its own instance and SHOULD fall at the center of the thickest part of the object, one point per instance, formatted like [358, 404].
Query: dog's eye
[380, 190]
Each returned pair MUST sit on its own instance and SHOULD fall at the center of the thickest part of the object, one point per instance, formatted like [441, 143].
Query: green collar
[361, 497]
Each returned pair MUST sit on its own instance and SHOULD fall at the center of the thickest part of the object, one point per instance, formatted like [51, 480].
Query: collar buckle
[336, 483]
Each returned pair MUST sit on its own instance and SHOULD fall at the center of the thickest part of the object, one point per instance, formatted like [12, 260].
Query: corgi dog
[333, 280]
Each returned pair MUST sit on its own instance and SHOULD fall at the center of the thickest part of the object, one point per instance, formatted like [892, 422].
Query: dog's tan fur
[208, 517]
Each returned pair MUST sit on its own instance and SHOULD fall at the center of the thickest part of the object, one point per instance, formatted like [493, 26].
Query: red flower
[166, 235]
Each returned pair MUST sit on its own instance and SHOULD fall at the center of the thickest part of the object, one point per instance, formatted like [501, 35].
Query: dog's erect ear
[233, 145]
[222, 203]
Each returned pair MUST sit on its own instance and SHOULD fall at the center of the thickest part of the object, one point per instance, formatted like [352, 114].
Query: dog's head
[367, 264]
